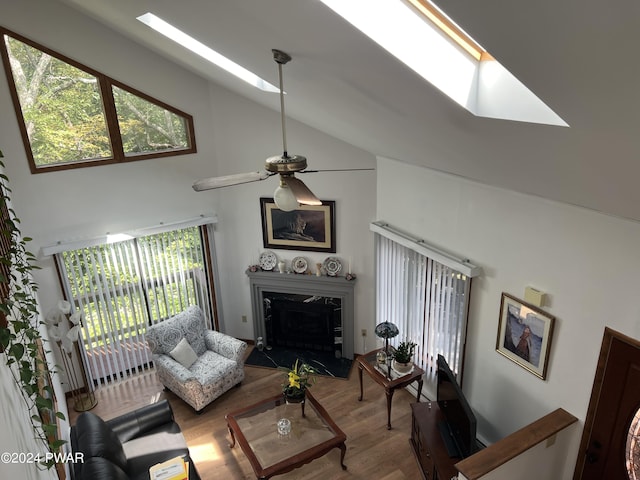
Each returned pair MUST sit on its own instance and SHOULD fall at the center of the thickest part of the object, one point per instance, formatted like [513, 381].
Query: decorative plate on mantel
[332, 266]
[268, 260]
[299, 264]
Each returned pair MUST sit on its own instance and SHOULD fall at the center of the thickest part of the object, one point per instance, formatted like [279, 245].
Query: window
[197, 47]
[421, 36]
[72, 116]
[424, 297]
[446, 25]
[122, 287]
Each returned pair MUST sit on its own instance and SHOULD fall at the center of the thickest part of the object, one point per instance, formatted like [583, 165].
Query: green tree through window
[71, 115]
[145, 127]
[122, 287]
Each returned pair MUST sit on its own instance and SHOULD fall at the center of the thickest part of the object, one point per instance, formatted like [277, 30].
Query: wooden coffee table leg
[360, 376]
[233, 438]
[343, 451]
[389, 392]
[419, 389]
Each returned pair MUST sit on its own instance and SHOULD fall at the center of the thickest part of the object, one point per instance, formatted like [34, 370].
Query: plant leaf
[17, 350]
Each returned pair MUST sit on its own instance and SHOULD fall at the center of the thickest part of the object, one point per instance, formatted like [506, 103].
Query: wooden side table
[389, 379]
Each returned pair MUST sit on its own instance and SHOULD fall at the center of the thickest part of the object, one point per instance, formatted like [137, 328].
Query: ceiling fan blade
[228, 180]
[300, 190]
[337, 170]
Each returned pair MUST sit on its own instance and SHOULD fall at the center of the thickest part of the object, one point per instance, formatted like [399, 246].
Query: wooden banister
[490, 458]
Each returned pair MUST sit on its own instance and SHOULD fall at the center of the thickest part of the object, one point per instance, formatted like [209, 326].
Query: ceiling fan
[291, 192]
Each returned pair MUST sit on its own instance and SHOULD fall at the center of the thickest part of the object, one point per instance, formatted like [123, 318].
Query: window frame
[105, 85]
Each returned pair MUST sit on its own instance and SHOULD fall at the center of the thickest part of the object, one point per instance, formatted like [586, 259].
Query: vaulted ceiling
[579, 56]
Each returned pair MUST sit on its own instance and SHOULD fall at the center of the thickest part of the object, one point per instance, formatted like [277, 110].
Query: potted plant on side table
[403, 357]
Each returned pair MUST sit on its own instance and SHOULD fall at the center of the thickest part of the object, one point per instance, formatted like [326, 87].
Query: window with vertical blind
[422, 292]
[124, 286]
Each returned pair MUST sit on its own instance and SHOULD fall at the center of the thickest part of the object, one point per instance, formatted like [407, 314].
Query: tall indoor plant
[20, 339]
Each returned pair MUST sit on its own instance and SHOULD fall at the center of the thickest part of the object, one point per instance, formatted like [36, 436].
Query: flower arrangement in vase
[300, 377]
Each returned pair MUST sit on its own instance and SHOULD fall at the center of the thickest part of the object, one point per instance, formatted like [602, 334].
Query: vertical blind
[122, 287]
[427, 300]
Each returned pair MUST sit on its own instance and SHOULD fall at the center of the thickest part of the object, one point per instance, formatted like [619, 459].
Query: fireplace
[304, 311]
[303, 322]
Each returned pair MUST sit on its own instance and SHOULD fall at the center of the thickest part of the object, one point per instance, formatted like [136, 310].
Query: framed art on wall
[310, 227]
[524, 334]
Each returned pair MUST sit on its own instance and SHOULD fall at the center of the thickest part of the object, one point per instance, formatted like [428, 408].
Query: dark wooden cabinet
[427, 444]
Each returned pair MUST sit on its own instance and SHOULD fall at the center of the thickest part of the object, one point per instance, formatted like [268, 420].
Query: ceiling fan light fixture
[284, 198]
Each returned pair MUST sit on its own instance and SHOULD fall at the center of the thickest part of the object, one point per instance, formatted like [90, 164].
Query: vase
[402, 368]
[298, 397]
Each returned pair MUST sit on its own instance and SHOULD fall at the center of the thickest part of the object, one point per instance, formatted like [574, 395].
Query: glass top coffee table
[313, 434]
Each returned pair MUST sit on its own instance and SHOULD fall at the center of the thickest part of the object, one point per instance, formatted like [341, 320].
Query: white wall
[17, 434]
[586, 262]
[233, 135]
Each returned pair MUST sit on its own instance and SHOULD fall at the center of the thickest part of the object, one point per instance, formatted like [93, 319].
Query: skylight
[204, 51]
[449, 27]
[431, 44]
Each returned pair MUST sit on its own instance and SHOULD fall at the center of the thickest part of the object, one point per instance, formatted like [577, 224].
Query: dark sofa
[125, 447]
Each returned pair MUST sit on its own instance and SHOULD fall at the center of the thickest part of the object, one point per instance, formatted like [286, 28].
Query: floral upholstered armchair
[196, 364]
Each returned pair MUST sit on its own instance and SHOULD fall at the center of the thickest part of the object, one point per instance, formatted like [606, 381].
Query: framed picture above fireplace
[310, 227]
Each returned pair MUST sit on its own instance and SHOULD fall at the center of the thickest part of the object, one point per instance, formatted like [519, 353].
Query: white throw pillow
[184, 354]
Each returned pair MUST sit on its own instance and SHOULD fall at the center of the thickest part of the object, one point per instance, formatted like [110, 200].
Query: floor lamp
[67, 339]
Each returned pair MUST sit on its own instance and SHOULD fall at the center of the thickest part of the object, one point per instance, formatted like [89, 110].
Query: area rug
[324, 363]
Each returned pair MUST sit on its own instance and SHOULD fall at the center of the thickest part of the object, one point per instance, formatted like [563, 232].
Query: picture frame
[310, 227]
[524, 334]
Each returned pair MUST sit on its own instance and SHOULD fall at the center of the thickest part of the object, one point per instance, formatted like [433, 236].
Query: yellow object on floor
[173, 469]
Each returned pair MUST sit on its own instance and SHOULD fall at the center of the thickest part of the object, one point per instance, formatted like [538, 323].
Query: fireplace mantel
[323, 286]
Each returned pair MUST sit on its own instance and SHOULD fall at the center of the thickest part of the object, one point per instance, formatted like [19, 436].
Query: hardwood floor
[373, 452]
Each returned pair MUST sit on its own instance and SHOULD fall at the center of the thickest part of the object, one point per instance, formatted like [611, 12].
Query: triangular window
[72, 116]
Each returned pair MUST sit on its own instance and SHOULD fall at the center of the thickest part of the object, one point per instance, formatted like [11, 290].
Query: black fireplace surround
[303, 322]
[303, 311]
